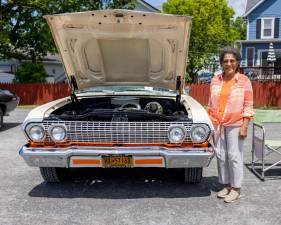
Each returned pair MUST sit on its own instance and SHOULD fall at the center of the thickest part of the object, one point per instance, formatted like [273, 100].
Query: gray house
[52, 63]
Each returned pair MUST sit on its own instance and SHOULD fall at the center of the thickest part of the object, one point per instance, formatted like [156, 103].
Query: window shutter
[258, 29]
[276, 28]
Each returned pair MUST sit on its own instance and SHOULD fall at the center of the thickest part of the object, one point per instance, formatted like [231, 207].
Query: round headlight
[57, 133]
[176, 133]
[199, 133]
[36, 133]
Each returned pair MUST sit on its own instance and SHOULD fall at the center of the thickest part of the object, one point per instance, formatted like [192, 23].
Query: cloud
[238, 5]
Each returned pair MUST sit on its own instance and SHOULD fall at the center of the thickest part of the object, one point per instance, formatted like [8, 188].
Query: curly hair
[230, 50]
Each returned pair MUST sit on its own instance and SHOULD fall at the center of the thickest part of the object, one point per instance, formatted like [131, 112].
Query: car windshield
[112, 89]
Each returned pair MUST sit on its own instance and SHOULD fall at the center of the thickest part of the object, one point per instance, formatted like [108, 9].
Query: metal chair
[262, 148]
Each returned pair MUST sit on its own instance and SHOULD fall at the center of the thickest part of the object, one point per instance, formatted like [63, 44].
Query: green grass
[27, 106]
[267, 115]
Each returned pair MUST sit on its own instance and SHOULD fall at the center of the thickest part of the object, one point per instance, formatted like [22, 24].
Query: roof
[252, 5]
[258, 41]
[146, 4]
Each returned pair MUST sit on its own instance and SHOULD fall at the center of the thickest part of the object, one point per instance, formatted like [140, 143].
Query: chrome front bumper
[172, 157]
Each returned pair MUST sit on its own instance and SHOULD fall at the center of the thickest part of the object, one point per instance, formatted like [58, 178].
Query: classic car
[128, 107]
[8, 102]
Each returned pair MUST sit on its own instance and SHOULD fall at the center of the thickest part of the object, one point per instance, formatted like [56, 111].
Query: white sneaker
[232, 196]
[223, 193]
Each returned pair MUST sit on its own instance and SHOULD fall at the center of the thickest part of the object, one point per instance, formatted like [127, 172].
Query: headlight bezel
[52, 127]
[206, 136]
[176, 126]
[32, 125]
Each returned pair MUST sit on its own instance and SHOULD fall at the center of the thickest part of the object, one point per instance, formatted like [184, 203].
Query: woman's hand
[244, 128]
[243, 131]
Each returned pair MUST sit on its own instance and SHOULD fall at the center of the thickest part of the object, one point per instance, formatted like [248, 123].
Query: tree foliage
[240, 24]
[31, 72]
[25, 34]
[212, 29]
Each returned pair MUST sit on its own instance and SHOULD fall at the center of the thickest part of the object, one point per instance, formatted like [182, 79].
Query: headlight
[36, 132]
[57, 133]
[176, 133]
[199, 133]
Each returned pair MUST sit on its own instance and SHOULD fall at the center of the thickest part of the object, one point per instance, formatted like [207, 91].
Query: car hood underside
[121, 47]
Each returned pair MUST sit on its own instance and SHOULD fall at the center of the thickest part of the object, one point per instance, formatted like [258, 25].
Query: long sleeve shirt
[239, 102]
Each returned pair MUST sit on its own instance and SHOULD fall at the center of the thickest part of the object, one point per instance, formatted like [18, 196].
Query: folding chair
[262, 149]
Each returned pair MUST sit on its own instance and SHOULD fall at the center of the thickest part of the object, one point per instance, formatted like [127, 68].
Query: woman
[230, 109]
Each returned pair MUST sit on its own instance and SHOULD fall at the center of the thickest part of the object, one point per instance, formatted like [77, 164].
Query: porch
[262, 73]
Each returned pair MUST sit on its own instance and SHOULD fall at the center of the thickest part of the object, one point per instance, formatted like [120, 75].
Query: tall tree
[212, 29]
[25, 34]
[240, 25]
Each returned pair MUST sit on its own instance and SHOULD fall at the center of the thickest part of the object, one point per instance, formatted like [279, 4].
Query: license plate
[117, 161]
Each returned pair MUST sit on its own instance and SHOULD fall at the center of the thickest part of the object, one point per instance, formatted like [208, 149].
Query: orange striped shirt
[238, 103]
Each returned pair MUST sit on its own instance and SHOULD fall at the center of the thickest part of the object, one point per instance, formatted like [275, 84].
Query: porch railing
[263, 73]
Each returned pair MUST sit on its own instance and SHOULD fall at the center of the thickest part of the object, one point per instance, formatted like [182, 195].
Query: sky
[238, 5]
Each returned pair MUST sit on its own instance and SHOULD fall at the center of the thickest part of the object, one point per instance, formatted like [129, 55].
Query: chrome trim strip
[174, 157]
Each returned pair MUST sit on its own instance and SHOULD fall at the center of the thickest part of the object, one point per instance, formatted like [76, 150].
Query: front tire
[193, 175]
[54, 174]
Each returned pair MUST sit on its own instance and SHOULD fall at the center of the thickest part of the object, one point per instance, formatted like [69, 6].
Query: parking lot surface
[128, 196]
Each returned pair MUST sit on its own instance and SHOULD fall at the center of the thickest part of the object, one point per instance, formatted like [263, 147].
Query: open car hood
[122, 47]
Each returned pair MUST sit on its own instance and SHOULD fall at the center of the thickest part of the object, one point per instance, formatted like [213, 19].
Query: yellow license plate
[117, 161]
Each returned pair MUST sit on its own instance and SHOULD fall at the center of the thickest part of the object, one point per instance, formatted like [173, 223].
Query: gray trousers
[229, 152]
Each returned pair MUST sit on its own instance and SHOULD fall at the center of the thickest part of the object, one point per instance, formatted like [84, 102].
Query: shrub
[31, 72]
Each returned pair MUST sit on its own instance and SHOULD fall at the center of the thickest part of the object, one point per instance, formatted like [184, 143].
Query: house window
[263, 57]
[267, 27]
[250, 56]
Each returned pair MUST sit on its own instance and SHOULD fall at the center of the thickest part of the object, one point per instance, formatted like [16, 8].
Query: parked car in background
[128, 107]
[8, 102]
[204, 77]
[250, 73]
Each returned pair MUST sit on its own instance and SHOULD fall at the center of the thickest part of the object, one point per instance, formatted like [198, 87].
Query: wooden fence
[38, 93]
[266, 94]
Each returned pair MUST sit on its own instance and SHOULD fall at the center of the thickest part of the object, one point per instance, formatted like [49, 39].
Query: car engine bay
[121, 109]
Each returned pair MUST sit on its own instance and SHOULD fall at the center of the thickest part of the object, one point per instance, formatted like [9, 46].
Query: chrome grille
[118, 132]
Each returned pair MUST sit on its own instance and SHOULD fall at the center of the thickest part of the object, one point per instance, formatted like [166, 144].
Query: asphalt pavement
[128, 196]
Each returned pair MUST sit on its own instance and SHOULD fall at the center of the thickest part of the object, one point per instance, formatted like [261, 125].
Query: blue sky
[238, 5]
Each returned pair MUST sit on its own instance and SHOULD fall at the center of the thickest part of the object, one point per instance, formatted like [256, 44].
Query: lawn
[267, 115]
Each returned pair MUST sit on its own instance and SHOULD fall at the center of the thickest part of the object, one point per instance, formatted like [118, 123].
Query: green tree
[31, 72]
[240, 24]
[25, 34]
[212, 29]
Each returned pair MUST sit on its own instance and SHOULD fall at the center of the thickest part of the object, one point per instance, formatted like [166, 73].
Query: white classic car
[128, 107]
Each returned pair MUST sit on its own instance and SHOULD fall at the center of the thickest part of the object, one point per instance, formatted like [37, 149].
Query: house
[52, 63]
[263, 28]
[146, 7]
[7, 70]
